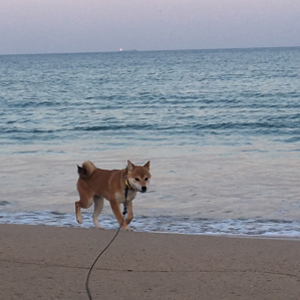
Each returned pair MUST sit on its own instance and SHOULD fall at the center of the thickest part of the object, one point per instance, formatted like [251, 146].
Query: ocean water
[220, 127]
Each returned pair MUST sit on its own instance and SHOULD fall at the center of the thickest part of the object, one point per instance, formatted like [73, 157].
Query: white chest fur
[121, 197]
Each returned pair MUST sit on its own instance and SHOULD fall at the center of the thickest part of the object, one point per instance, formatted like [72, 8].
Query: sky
[63, 26]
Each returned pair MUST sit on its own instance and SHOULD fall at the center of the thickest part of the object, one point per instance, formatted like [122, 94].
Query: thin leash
[91, 268]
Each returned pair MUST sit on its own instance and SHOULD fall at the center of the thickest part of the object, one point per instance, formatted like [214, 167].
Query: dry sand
[39, 262]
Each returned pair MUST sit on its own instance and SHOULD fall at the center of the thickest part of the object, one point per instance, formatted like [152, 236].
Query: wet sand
[41, 262]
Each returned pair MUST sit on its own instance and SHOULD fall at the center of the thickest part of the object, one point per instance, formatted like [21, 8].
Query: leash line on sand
[91, 268]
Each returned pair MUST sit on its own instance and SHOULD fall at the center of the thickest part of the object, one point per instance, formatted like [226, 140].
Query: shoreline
[237, 236]
[50, 262]
[259, 227]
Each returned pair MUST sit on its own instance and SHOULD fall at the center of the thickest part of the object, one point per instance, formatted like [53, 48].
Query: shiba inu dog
[95, 184]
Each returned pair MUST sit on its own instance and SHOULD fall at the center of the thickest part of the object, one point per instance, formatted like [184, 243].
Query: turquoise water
[221, 128]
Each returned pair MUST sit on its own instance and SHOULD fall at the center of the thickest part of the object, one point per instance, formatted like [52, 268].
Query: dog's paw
[79, 220]
[97, 224]
[128, 229]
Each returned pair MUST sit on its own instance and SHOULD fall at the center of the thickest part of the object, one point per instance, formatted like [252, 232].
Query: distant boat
[122, 50]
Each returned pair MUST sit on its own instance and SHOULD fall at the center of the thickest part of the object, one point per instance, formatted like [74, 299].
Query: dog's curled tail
[87, 169]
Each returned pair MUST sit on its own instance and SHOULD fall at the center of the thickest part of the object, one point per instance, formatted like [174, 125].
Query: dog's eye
[146, 179]
[137, 179]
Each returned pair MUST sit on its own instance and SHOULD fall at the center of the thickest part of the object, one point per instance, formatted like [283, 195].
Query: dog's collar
[127, 184]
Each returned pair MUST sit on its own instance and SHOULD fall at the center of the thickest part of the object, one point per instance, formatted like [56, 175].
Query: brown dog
[96, 184]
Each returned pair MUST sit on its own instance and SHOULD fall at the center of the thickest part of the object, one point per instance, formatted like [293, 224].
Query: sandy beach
[43, 262]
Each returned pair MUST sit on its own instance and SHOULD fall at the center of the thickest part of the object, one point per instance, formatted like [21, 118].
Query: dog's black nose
[144, 189]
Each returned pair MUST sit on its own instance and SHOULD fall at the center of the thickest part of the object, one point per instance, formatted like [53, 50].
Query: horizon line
[156, 50]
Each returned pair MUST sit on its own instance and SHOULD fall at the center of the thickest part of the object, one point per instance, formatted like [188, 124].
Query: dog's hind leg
[78, 212]
[80, 204]
[98, 206]
[84, 202]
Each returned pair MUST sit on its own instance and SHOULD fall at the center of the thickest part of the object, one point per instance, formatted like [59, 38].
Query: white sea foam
[164, 224]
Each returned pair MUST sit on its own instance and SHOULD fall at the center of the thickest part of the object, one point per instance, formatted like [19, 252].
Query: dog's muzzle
[144, 189]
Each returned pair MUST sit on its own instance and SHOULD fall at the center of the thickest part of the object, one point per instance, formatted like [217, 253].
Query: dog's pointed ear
[147, 165]
[130, 166]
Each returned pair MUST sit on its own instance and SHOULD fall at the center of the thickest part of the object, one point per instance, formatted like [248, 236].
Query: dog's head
[138, 176]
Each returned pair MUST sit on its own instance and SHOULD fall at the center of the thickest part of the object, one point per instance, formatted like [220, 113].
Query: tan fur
[95, 184]
[89, 166]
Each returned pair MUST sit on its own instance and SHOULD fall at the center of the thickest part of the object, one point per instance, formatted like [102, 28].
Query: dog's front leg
[117, 212]
[130, 213]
